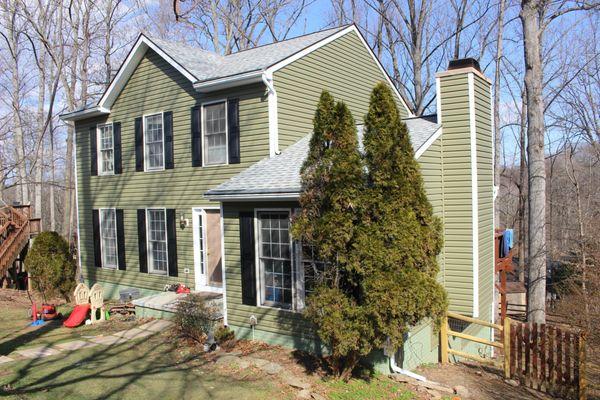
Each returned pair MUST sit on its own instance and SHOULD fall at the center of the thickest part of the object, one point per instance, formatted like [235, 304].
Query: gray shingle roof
[206, 65]
[280, 175]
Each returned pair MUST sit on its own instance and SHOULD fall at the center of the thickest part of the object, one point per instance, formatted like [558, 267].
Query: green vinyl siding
[155, 86]
[483, 125]
[432, 171]
[344, 67]
[456, 153]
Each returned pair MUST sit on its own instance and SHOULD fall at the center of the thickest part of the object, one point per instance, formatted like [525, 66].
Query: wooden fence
[549, 359]
[539, 356]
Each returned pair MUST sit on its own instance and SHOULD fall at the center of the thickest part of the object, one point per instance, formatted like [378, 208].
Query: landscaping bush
[51, 266]
[225, 337]
[194, 318]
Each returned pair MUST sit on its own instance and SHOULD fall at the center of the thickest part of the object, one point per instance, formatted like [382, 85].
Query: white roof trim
[229, 81]
[129, 65]
[428, 143]
[86, 113]
[253, 196]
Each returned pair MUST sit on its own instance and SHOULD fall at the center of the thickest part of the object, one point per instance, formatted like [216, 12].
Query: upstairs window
[106, 145]
[215, 133]
[154, 142]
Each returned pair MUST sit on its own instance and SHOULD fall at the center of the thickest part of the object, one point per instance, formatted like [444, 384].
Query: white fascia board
[428, 143]
[329, 39]
[129, 65]
[474, 194]
[229, 81]
[82, 114]
[257, 196]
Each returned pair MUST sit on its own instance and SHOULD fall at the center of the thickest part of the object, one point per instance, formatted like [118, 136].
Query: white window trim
[205, 287]
[99, 147]
[162, 117]
[116, 237]
[203, 130]
[259, 280]
[148, 251]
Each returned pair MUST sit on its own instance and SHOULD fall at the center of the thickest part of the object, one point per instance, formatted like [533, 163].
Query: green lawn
[156, 367]
[150, 368]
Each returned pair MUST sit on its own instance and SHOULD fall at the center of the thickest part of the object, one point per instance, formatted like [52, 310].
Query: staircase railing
[14, 234]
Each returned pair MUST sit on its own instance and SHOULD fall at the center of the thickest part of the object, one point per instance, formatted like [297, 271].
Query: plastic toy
[82, 306]
[97, 303]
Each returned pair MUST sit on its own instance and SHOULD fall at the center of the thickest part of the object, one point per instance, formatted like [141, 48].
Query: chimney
[464, 111]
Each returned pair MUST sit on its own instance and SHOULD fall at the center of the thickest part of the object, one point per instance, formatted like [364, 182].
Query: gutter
[95, 111]
[229, 81]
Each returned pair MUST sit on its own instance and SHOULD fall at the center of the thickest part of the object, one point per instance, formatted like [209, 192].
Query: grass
[156, 367]
[375, 388]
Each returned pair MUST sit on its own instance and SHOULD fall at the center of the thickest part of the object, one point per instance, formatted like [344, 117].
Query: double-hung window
[157, 241]
[275, 259]
[106, 146]
[154, 142]
[108, 237]
[215, 133]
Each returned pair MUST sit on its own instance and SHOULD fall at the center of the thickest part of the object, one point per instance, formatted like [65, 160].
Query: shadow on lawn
[116, 377]
[11, 345]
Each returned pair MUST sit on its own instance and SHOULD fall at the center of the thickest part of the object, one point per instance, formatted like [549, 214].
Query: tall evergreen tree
[333, 179]
[399, 237]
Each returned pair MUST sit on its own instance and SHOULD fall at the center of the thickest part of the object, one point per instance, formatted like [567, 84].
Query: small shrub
[194, 318]
[224, 335]
[51, 266]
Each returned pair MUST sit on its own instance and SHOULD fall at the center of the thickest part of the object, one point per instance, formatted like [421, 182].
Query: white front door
[208, 264]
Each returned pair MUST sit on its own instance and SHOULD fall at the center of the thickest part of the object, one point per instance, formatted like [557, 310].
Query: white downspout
[267, 78]
[395, 368]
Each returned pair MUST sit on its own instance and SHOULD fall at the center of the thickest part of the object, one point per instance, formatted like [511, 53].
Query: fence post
[506, 344]
[444, 339]
[582, 384]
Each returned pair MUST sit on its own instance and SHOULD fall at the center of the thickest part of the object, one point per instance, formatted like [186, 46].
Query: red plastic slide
[78, 316]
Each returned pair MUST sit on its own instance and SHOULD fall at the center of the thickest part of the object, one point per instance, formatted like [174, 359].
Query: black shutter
[168, 130]
[141, 220]
[172, 241]
[196, 137]
[139, 144]
[247, 258]
[117, 147]
[121, 240]
[233, 125]
[96, 237]
[93, 152]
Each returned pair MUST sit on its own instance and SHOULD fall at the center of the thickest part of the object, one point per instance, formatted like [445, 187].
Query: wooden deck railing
[15, 231]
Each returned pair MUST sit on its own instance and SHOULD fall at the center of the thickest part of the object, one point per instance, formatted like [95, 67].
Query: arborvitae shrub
[51, 266]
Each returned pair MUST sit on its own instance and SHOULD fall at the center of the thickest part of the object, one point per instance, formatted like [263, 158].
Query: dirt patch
[482, 383]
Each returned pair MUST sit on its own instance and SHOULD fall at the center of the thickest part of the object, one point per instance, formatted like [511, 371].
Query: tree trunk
[522, 211]
[532, 36]
[497, 133]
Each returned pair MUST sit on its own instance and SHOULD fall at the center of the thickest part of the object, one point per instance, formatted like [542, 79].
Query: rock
[304, 394]
[512, 382]
[272, 368]
[434, 394]
[243, 363]
[228, 360]
[317, 396]
[258, 362]
[461, 391]
[294, 381]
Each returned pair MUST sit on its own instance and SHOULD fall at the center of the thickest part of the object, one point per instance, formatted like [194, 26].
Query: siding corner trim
[474, 194]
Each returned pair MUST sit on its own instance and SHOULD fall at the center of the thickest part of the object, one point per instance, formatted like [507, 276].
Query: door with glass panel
[275, 262]
[208, 264]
